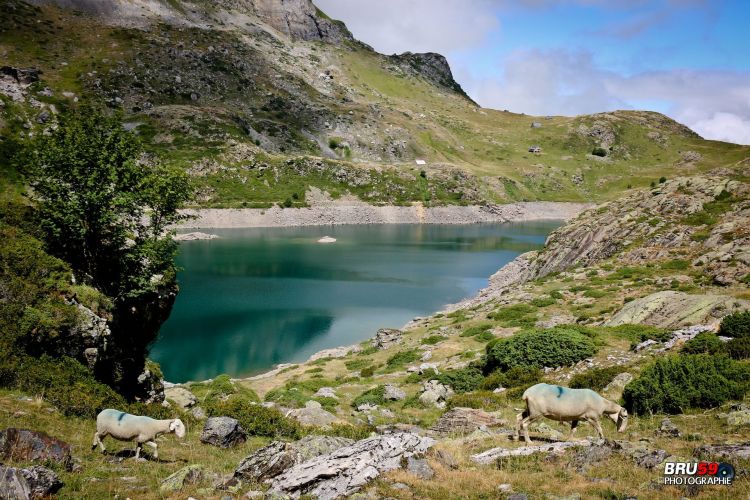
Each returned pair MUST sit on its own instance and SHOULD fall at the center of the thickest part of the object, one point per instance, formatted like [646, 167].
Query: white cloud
[395, 26]
[716, 104]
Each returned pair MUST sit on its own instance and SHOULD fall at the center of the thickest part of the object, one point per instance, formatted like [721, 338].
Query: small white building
[420, 162]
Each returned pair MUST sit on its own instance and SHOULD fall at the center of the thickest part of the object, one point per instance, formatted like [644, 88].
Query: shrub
[462, 380]
[374, 396]
[556, 294]
[256, 419]
[432, 339]
[554, 347]
[221, 387]
[416, 377]
[484, 400]
[595, 379]
[736, 325]
[595, 294]
[357, 364]
[516, 315]
[518, 376]
[640, 333]
[403, 357]
[704, 343]
[355, 432]
[367, 372]
[599, 152]
[662, 180]
[676, 264]
[485, 337]
[543, 301]
[476, 330]
[677, 383]
[739, 348]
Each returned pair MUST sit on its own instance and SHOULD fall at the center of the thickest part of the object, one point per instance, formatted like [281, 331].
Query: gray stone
[393, 393]
[386, 337]
[590, 456]
[420, 468]
[737, 418]
[435, 394]
[464, 421]
[180, 396]
[28, 483]
[32, 446]
[619, 382]
[183, 477]
[729, 452]
[224, 432]
[267, 462]
[668, 429]
[348, 469]
[314, 446]
[326, 392]
[313, 414]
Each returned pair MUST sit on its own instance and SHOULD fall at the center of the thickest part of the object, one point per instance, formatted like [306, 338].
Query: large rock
[180, 396]
[31, 446]
[430, 66]
[313, 414]
[29, 483]
[738, 418]
[386, 337]
[728, 452]
[272, 460]
[224, 432]
[435, 394]
[671, 309]
[464, 421]
[183, 477]
[299, 19]
[267, 462]
[619, 382]
[420, 468]
[393, 393]
[347, 469]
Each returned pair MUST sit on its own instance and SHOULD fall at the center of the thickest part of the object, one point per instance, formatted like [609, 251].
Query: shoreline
[358, 213]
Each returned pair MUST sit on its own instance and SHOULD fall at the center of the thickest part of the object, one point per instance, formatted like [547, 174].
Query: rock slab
[33, 446]
[347, 469]
[28, 483]
[464, 421]
[224, 432]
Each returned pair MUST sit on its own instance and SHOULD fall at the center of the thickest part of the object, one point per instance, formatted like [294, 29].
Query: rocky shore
[362, 213]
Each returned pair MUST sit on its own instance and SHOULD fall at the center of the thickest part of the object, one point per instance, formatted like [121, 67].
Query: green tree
[104, 207]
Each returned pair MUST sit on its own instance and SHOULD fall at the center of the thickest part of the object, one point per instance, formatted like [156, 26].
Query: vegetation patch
[736, 325]
[595, 379]
[540, 348]
[403, 357]
[483, 400]
[374, 396]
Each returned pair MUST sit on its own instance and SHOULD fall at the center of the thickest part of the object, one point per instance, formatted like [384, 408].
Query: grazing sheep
[126, 427]
[568, 405]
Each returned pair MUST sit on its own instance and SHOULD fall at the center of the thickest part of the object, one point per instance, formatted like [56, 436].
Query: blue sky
[689, 59]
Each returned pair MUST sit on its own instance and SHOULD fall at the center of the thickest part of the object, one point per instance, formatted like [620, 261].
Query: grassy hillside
[228, 102]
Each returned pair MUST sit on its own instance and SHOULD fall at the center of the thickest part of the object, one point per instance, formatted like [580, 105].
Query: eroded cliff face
[432, 67]
[299, 19]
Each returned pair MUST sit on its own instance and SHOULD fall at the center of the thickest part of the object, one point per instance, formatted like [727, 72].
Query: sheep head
[622, 420]
[177, 427]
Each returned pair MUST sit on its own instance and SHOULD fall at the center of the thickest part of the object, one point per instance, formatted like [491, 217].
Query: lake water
[258, 297]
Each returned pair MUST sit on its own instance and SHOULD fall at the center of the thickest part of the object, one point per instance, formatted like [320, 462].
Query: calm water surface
[257, 297]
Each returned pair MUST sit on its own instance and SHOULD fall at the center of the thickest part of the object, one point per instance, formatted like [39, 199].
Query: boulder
[589, 456]
[28, 483]
[348, 469]
[642, 455]
[668, 429]
[224, 432]
[313, 414]
[464, 421]
[267, 462]
[326, 392]
[434, 393]
[619, 382]
[393, 393]
[386, 337]
[180, 396]
[739, 417]
[183, 477]
[671, 309]
[31, 446]
[420, 468]
[728, 452]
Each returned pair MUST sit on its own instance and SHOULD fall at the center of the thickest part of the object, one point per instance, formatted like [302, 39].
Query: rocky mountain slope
[234, 91]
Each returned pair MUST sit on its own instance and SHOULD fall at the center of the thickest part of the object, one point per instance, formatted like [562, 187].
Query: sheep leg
[98, 441]
[154, 446]
[519, 418]
[573, 427]
[598, 426]
[525, 425]
[138, 446]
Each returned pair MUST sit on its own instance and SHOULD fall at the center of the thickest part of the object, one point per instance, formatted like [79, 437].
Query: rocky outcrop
[313, 414]
[670, 309]
[224, 432]
[386, 337]
[180, 396]
[299, 19]
[348, 469]
[183, 477]
[432, 67]
[31, 446]
[729, 452]
[464, 421]
[29, 483]
[435, 394]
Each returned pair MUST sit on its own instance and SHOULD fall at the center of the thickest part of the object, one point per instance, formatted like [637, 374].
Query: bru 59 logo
[685, 473]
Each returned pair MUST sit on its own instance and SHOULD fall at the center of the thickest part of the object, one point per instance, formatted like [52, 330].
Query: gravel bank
[362, 213]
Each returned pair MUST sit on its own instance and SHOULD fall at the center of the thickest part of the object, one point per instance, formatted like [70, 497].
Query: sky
[688, 59]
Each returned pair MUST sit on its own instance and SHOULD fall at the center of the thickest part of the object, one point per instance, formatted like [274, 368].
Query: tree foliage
[102, 206]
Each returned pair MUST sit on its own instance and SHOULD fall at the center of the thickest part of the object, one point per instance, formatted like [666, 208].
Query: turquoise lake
[258, 297]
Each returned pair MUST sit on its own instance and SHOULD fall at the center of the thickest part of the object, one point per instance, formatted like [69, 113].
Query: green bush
[485, 337]
[357, 364]
[476, 330]
[374, 396]
[639, 333]
[355, 432]
[403, 357]
[515, 315]
[599, 152]
[736, 325]
[595, 379]
[543, 301]
[739, 348]
[704, 343]
[483, 400]
[595, 294]
[256, 419]
[462, 380]
[553, 347]
[432, 339]
[416, 377]
[367, 372]
[677, 383]
[517, 376]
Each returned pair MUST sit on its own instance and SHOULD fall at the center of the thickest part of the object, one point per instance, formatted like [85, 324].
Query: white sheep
[126, 427]
[568, 405]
